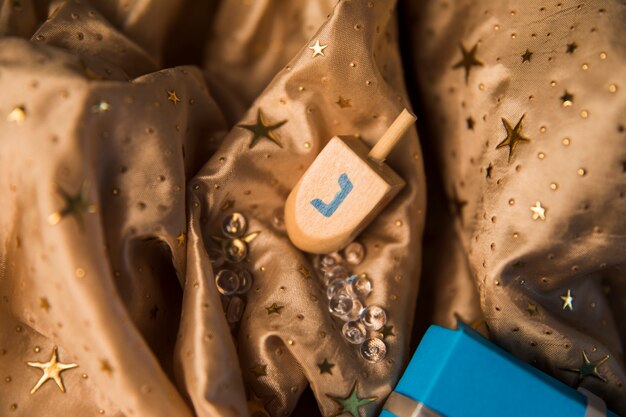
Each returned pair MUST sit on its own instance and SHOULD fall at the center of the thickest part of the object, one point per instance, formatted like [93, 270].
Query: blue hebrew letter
[327, 210]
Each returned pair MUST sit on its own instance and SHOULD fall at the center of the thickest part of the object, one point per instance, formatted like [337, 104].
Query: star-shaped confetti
[539, 212]
[571, 47]
[171, 96]
[304, 271]
[44, 304]
[17, 115]
[489, 170]
[51, 370]
[513, 136]
[343, 102]
[317, 48]
[567, 300]
[532, 309]
[352, 403]
[326, 367]
[567, 99]
[263, 129]
[257, 406]
[259, 370]
[589, 368]
[181, 239]
[274, 309]
[75, 205]
[526, 56]
[468, 61]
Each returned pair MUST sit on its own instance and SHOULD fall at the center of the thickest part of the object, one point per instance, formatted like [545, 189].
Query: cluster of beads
[232, 280]
[346, 294]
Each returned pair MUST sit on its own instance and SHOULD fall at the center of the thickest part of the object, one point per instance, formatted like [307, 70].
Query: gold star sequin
[352, 403]
[171, 96]
[262, 129]
[257, 406]
[532, 309]
[181, 239]
[318, 49]
[489, 170]
[75, 205]
[17, 115]
[274, 309]
[567, 99]
[589, 368]
[51, 370]
[106, 367]
[571, 47]
[513, 136]
[304, 271]
[539, 212]
[326, 367]
[343, 102]
[526, 56]
[259, 370]
[468, 61]
[567, 300]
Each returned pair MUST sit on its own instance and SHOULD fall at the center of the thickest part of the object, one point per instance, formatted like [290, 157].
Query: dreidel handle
[393, 134]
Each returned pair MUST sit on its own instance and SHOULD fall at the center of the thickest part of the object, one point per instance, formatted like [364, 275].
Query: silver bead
[234, 225]
[235, 250]
[354, 253]
[361, 285]
[235, 309]
[373, 350]
[227, 282]
[354, 332]
[341, 305]
[245, 281]
[374, 317]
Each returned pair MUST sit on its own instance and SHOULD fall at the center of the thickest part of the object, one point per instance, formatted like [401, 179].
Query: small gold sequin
[541, 155]
[307, 145]
[566, 141]
[585, 67]
[398, 223]
[496, 27]
[80, 272]
[481, 86]
[612, 88]
[511, 201]
[584, 114]
[543, 129]
[602, 55]
[581, 172]
[554, 186]
[553, 83]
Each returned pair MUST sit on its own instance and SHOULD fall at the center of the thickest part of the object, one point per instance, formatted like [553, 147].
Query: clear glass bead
[361, 285]
[341, 305]
[373, 350]
[227, 282]
[234, 225]
[354, 332]
[328, 261]
[245, 281]
[336, 271]
[354, 253]
[338, 287]
[357, 310]
[235, 250]
[235, 309]
[374, 317]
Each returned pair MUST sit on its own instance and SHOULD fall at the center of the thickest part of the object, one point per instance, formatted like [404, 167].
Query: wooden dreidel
[345, 187]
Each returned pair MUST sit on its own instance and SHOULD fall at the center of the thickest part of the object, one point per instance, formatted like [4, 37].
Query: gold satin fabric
[153, 158]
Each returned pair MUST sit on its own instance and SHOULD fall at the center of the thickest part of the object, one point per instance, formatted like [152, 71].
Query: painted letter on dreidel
[327, 210]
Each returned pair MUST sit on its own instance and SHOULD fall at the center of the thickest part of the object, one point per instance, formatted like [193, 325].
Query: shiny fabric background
[130, 296]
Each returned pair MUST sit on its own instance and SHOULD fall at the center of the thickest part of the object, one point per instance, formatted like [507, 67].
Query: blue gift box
[459, 373]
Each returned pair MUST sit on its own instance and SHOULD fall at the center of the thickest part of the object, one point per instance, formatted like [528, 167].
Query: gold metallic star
[571, 47]
[539, 212]
[352, 403]
[274, 309]
[326, 367]
[526, 56]
[304, 271]
[44, 304]
[181, 239]
[318, 49]
[259, 370]
[257, 406]
[262, 129]
[468, 61]
[489, 170]
[75, 205]
[17, 115]
[387, 331]
[344, 102]
[106, 367]
[589, 368]
[567, 99]
[567, 300]
[51, 370]
[532, 309]
[171, 96]
[513, 136]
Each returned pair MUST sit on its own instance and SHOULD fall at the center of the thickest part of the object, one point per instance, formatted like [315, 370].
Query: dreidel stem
[393, 134]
